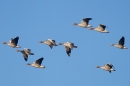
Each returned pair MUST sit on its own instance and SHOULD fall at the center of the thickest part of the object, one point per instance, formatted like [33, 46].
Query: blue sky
[35, 20]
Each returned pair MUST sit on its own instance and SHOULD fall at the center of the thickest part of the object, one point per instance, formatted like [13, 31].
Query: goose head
[41, 42]
[28, 64]
[4, 43]
[74, 24]
[97, 67]
[60, 44]
[18, 50]
[112, 44]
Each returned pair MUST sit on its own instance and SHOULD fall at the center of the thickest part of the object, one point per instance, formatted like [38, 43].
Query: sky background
[38, 20]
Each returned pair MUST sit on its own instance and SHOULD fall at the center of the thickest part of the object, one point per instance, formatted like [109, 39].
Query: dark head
[4, 42]
[60, 44]
[18, 50]
[74, 24]
[28, 64]
[97, 67]
[112, 44]
[40, 42]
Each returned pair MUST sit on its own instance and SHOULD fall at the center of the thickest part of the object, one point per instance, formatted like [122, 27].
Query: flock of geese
[13, 42]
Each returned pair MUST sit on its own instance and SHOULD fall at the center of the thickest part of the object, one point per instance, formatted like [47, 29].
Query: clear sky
[35, 20]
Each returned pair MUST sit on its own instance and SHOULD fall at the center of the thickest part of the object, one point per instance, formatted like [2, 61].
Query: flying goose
[13, 42]
[69, 46]
[37, 63]
[25, 53]
[101, 28]
[84, 23]
[107, 67]
[120, 44]
[49, 42]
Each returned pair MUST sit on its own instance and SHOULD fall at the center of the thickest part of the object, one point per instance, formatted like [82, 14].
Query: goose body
[69, 46]
[107, 67]
[13, 42]
[25, 53]
[101, 28]
[49, 42]
[37, 63]
[84, 23]
[120, 43]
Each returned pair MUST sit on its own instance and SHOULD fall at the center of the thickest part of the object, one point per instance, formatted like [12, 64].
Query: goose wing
[86, 20]
[54, 42]
[51, 46]
[102, 27]
[39, 61]
[27, 50]
[109, 65]
[25, 56]
[122, 41]
[48, 42]
[15, 40]
[68, 50]
[72, 45]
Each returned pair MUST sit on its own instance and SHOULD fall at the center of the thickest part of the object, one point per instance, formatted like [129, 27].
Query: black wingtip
[42, 58]
[68, 54]
[25, 59]
[17, 36]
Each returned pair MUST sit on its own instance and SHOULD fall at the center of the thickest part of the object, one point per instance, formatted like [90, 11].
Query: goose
[49, 42]
[25, 53]
[120, 43]
[13, 42]
[101, 28]
[84, 23]
[69, 46]
[108, 67]
[37, 63]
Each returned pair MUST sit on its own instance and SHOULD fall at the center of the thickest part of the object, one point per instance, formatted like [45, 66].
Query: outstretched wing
[86, 20]
[68, 50]
[39, 61]
[15, 40]
[51, 46]
[122, 41]
[25, 56]
[102, 26]
[109, 65]
[53, 41]
[27, 50]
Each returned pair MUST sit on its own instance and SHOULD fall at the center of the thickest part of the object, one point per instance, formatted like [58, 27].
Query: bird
[101, 28]
[49, 42]
[120, 43]
[84, 23]
[25, 53]
[69, 46]
[13, 42]
[108, 67]
[37, 63]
